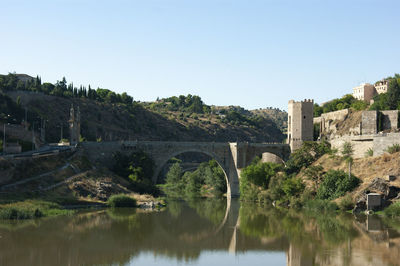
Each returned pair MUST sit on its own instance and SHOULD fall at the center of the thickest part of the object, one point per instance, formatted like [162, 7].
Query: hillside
[275, 114]
[109, 116]
[372, 171]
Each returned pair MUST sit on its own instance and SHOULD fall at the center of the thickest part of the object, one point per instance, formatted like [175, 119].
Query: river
[202, 232]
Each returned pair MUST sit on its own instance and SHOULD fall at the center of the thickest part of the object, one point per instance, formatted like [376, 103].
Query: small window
[304, 117]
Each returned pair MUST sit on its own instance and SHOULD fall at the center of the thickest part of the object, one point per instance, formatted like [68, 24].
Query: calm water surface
[204, 232]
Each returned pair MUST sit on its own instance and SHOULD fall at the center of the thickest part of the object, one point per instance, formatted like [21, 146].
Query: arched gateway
[230, 156]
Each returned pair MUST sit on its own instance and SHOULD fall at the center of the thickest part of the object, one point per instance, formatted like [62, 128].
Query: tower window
[304, 117]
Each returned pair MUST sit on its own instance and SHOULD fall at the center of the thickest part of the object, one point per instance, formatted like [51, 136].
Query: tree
[315, 173]
[393, 94]
[347, 152]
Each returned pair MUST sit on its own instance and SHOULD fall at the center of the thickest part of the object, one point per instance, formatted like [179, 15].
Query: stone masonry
[300, 122]
[232, 157]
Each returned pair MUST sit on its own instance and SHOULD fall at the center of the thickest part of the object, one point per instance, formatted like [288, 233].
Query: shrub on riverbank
[393, 210]
[336, 183]
[30, 209]
[255, 178]
[121, 200]
[320, 206]
[308, 153]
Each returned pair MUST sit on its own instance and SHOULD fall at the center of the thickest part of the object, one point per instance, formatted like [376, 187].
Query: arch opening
[199, 167]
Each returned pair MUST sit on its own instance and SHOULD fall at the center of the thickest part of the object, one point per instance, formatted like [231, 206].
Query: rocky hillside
[372, 171]
[140, 121]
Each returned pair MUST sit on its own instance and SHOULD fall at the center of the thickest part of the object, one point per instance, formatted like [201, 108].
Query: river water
[202, 232]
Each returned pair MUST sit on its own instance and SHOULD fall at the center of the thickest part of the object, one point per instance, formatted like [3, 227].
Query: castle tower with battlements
[74, 125]
[300, 122]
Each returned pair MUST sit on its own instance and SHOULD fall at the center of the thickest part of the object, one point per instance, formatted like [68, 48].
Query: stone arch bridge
[232, 157]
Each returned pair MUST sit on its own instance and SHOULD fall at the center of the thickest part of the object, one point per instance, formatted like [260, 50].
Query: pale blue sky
[250, 53]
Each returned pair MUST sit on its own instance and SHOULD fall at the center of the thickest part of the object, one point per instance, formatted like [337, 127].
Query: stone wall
[390, 120]
[328, 120]
[360, 144]
[369, 122]
[383, 141]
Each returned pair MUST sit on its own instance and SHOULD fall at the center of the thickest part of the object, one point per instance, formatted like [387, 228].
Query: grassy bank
[30, 209]
[118, 201]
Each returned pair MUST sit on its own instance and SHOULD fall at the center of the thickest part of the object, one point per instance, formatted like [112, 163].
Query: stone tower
[74, 125]
[300, 123]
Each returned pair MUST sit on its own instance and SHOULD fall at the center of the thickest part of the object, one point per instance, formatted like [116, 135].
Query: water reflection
[200, 231]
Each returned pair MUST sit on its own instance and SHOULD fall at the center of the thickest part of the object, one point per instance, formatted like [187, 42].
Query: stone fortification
[369, 122]
[360, 144]
[300, 122]
[375, 121]
[382, 141]
[390, 120]
[378, 143]
[363, 134]
[328, 121]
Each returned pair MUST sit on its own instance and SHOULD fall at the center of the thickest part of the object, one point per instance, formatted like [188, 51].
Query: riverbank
[37, 208]
[317, 177]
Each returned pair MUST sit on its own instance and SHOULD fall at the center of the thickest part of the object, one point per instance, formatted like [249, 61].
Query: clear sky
[251, 53]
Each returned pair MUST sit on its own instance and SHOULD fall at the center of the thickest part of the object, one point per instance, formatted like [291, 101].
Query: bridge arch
[161, 162]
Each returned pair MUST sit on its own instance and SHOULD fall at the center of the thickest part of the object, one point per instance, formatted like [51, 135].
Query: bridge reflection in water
[189, 232]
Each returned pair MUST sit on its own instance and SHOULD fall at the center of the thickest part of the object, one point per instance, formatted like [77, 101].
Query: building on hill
[365, 91]
[381, 86]
[300, 123]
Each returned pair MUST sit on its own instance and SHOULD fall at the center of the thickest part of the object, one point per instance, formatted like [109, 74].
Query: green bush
[255, 178]
[121, 200]
[318, 205]
[292, 187]
[207, 179]
[14, 213]
[393, 149]
[260, 173]
[336, 183]
[369, 153]
[393, 210]
[359, 105]
[30, 209]
[346, 203]
[308, 153]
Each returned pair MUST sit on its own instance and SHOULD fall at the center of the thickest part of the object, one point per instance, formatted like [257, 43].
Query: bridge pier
[232, 157]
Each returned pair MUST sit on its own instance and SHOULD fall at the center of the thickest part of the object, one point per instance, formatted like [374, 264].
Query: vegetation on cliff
[391, 99]
[269, 182]
[106, 115]
[384, 101]
[347, 101]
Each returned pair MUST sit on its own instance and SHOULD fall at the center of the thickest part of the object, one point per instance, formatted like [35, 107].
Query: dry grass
[364, 168]
[353, 120]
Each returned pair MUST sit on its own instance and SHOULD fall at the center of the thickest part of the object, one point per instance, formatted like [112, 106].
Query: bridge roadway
[231, 156]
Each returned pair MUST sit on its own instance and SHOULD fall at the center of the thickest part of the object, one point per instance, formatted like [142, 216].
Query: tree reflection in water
[186, 230]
